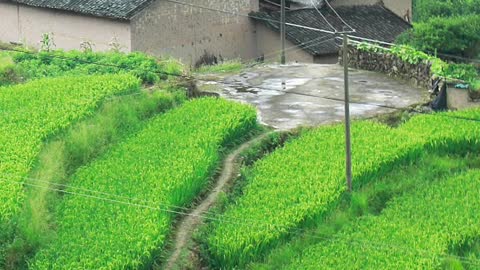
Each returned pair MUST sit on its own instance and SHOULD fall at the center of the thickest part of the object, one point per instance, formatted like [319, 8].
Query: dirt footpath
[230, 170]
[301, 95]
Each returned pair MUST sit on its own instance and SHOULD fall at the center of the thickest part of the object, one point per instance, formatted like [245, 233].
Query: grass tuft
[230, 66]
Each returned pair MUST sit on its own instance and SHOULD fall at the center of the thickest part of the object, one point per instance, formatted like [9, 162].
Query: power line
[337, 237]
[304, 45]
[184, 208]
[289, 92]
[354, 102]
[249, 16]
[53, 56]
[115, 97]
[307, 44]
[325, 19]
[115, 201]
[189, 77]
[65, 186]
[138, 205]
[341, 19]
[426, 51]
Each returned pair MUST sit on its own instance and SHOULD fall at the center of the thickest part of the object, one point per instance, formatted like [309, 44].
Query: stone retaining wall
[419, 74]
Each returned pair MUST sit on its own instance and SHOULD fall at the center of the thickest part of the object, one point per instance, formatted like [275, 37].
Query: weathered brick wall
[166, 28]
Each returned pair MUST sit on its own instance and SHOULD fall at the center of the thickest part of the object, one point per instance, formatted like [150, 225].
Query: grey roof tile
[369, 21]
[116, 9]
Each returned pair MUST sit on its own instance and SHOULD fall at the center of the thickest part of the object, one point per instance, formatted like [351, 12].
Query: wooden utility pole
[283, 31]
[348, 143]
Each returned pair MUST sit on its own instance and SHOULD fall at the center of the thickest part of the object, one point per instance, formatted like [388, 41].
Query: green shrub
[475, 85]
[164, 166]
[458, 36]
[423, 10]
[59, 63]
[464, 72]
[408, 54]
[224, 67]
[8, 74]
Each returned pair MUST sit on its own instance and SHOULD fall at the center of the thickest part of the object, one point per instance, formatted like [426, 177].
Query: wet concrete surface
[310, 94]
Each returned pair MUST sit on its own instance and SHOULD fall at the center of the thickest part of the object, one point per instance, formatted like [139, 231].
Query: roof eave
[79, 13]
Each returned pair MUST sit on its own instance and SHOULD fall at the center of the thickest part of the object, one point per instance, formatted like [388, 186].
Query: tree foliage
[424, 10]
[458, 36]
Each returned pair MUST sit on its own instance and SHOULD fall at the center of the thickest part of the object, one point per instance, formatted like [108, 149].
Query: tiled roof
[116, 9]
[369, 21]
[309, 2]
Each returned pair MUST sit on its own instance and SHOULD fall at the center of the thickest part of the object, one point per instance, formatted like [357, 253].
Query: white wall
[26, 24]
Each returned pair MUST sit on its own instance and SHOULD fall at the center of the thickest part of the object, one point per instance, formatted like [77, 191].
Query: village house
[190, 30]
[158, 27]
[374, 21]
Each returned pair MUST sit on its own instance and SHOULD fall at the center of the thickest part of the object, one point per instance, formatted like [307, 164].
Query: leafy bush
[464, 72]
[31, 112]
[458, 36]
[415, 231]
[408, 54]
[475, 85]
[164, 166]
[404, 52]
[279, 198]
[8, 75]
[423, 10]
[224, 67]
[59, 63]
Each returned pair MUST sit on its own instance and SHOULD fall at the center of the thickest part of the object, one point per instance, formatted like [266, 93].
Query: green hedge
[167, 163]
[458, 36]
[408, 54]
[279, 198]
[31, 112]
[415, 231]
[423, 10]
[43, 64]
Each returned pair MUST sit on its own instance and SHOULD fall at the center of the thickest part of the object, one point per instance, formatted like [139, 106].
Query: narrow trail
[230, 169]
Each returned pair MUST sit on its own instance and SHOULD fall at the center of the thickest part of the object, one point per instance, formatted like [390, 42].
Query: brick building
[159, 27]
[179, 28]
[375, 22]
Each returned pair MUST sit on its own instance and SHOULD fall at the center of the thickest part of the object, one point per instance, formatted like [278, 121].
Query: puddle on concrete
[243, 89]
[283, 84]
[291, 111]
[335, 79]
[356, 109]
[210, 83]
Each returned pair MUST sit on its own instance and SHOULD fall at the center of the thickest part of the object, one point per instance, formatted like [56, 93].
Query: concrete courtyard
[309, 95]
